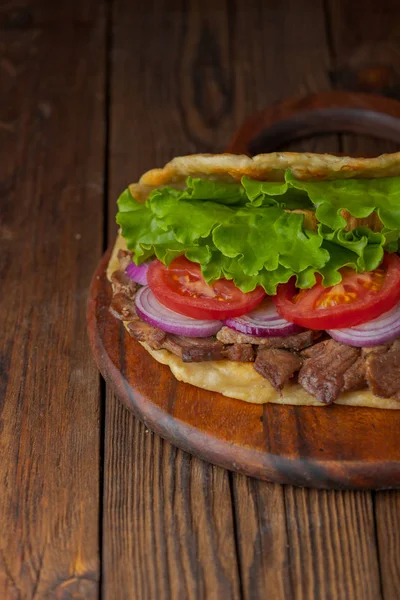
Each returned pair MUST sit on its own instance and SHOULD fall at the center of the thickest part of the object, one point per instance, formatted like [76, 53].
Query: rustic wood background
[93, 505]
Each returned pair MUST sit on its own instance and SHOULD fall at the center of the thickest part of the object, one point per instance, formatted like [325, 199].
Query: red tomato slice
[181, 288]
[359, 298]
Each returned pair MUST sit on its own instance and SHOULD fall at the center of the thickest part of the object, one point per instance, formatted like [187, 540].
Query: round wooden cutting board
[324, 447]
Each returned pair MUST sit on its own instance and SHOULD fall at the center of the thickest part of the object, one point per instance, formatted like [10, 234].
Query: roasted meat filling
[325, 368]
[323, 374]
[278, 366]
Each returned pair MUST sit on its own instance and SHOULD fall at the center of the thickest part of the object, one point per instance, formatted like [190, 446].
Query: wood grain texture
[365, 51]
[387, 523]
[51, 156]
[335, 531]
[177, 540]
[172, 535]
[262, 539]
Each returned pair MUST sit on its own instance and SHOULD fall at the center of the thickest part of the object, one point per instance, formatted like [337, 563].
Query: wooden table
[92, 93]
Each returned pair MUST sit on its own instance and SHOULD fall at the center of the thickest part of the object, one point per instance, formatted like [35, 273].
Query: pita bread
[240, 380]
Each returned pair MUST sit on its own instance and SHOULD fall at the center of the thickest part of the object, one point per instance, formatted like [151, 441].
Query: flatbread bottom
[241, 380]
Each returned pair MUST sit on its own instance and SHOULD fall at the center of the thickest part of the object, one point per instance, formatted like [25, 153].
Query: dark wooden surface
[52, 137]
[92, 504]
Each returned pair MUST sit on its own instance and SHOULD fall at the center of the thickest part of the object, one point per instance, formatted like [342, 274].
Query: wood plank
[263, 542]
[51, 152]
[168, 530]
[332, 544]
[168, 520]
[387, 517]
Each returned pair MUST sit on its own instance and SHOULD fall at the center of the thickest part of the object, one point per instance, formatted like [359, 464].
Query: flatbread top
[265, 167]
[272, 167]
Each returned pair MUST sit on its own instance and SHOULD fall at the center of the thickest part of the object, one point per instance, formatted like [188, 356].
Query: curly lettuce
[361, 197]
[255, 232]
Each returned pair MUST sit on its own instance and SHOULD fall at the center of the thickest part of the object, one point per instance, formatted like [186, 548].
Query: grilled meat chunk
[323, 374]
[143, 332]
[194, 349]
[189, 349]
[383, 371]
[239, 352]
[278, 366]
[122, 283]
[355, 377]
[293, 342]
[123, 307]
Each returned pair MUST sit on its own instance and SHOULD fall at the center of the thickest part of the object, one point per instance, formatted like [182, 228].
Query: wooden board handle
[317, 114]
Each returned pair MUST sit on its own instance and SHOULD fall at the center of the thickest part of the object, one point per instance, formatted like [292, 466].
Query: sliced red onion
[264, 321]
[138, 272]
[385, 328]
[150, 310]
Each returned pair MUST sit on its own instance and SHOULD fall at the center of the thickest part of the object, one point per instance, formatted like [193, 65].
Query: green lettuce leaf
[298, 248]
[361, 197]
[250, 236]
[137, 223]
[392, 238]
[272, 193]
[366, 245]
[188, 220]
[222, 192]
[246, 231]
[222, 266]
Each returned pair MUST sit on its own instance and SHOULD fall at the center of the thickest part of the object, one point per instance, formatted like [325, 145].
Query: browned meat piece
[355, 377]
[312, 350]
[194, 349]
[123, 307]
[239, 352]
[383, 371]
[143, 332]
[278, 366]
[125, 258]
[189, 349]
[122, 283]
[293, 342]
[322, 375]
